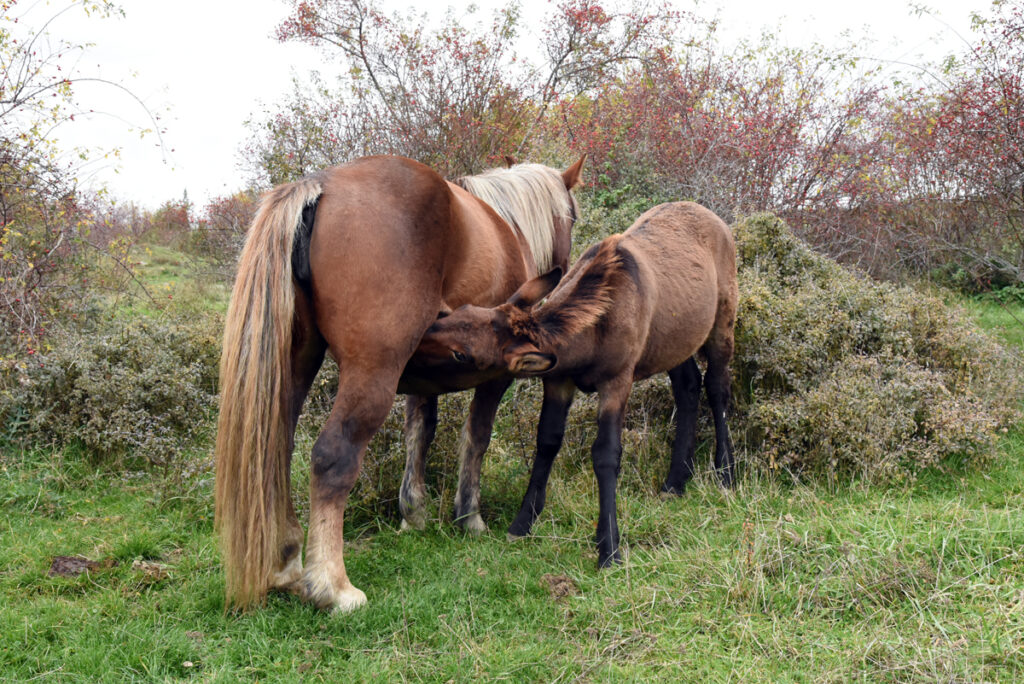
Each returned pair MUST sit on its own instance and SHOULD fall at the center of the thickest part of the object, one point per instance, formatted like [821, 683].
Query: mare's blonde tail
[253, 426]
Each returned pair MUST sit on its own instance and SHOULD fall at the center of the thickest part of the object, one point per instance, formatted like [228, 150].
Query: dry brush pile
[839, 375]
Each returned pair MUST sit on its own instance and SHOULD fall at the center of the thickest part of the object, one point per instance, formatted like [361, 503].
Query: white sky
[205, 66]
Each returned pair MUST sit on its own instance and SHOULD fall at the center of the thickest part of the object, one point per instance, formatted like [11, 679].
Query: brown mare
[356, 260]
[638, 303]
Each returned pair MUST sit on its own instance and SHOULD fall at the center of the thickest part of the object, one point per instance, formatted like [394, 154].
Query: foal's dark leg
[420, 426]
[476, 436]
[558, 397]
[686, 382]
[717, 382]
[606, 454]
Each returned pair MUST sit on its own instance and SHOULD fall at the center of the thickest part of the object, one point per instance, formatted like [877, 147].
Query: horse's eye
[460, 356]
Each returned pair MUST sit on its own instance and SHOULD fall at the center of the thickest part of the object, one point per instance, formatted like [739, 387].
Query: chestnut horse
[356, 260]
[638, 303]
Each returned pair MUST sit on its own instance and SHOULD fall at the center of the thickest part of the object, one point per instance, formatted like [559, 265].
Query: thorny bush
[146, 389]
[840, 376]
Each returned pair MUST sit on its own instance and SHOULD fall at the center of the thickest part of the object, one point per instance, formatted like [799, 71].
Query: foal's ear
[532, 363]
[572, 176]
[532, 291]
[510, 161]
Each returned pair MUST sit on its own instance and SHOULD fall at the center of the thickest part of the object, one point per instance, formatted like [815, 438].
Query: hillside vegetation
[876, 532]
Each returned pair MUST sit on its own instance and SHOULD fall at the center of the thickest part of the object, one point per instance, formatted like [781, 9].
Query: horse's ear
[510, 161]
[532, 291]
[532, 363]
[572, 176]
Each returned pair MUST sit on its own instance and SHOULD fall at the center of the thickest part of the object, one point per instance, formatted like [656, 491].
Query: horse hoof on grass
[347, 600]
[416, 525]
[670, 493]
[318, 589]
[472, 524]
[287, 579]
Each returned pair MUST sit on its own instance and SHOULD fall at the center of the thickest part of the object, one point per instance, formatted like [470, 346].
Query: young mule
[638, 303]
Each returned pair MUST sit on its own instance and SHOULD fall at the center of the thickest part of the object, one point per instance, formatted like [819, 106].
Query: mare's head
[476, 339]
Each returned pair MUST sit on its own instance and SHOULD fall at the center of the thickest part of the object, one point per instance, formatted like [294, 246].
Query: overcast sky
[205, 66]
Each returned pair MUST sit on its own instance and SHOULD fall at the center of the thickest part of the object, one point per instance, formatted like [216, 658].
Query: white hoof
[348, 600]
[416, 525]
[319, 589]
[288, 578]
[473, 524]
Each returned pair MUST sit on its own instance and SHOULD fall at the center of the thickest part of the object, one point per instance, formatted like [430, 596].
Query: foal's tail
[253, 427]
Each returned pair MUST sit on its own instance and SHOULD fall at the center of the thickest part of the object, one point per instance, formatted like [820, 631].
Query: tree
[44, 219]
[458, 97]
[959, 142]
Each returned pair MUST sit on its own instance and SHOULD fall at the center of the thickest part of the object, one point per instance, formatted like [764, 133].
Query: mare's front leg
[473, 442]
[420, 426]
[686, 383]
[606, 454]
[558, 396]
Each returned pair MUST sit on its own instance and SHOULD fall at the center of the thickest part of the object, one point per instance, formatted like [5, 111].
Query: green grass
[1004, 319]
[777, 582]
[172, 282]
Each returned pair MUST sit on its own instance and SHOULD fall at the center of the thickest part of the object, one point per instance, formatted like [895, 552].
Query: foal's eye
[460, 356]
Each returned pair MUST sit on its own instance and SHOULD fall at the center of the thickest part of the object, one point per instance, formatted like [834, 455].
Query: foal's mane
[528, 197]
[579, 302]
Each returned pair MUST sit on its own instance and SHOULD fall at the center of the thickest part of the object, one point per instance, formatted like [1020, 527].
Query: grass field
[777, 582]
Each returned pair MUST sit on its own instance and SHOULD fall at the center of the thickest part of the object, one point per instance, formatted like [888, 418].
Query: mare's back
[377, 252]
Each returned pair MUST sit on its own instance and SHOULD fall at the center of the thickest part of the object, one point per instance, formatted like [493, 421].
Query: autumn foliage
[913, 173]
[918, 171]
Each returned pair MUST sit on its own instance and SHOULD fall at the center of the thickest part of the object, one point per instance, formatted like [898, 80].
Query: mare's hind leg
[364, 399]
[308, 348]
[476, 436]
[686, 382]
[717, 381]
[420, 426]
[558, 397]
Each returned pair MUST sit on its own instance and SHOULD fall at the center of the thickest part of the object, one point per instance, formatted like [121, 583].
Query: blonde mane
[528, 197]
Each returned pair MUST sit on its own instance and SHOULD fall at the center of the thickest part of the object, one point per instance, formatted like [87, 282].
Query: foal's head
[518, 337]
[476, 339]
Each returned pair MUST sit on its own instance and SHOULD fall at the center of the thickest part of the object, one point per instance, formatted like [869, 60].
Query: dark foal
[638, 303]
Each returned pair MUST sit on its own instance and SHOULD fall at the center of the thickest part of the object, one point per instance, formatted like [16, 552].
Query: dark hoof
[518, 531]
[609, 561]
[672, 491]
